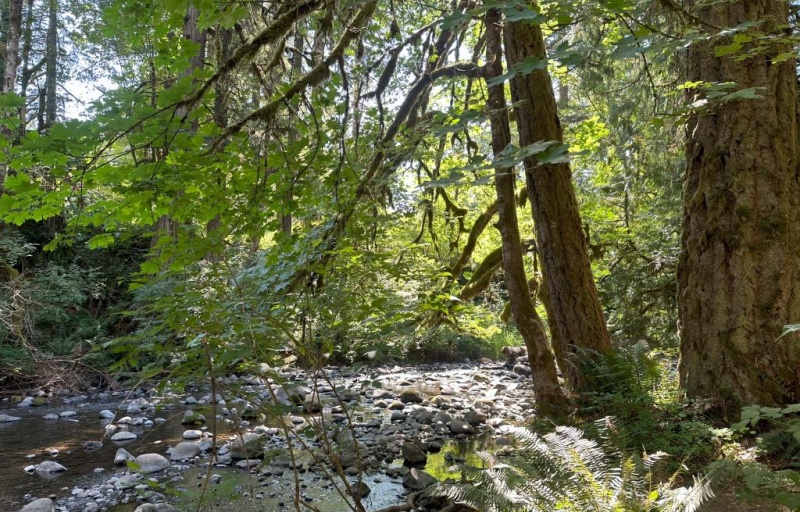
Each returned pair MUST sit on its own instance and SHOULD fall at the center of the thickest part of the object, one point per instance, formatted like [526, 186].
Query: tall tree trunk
[567, 272]
[739, 269]
[51, 65]
[297, 69]
[12, 45]
[10, 68]
[550, 398]
[166, 226]
[27, 69]
[221, 91]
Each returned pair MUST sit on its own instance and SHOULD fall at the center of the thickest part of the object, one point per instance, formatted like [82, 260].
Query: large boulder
[459, 426]
[122, 436]
[246, 447]
[49, 467]
[414, 454]
[158, 507]
[193, 418]
[417, 480]
[184, 451]
[411, 396]
[40, 505]
[151, 463]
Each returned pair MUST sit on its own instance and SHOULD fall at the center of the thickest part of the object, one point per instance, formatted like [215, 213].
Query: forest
[586, 210]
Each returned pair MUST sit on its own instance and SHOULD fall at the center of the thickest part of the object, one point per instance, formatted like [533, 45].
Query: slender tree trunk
[297, 69]
[27, 69]
[166, 225]
[739, 271]
[576, 308]
[550, 398]
[12, 45]
[51, 65]
[221, 92]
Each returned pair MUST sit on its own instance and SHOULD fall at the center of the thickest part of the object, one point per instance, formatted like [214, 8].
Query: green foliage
[564, 470]
[639, 388]
[777, 430]
[761, 456]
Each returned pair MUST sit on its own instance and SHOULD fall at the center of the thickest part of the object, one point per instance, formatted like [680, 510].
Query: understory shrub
[565, 470]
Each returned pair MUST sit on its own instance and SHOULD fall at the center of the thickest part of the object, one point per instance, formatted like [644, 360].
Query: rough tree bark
[575, 305]
[12, 45]
[51, 65]
[10, 66]
[550, 398]
[739, 269]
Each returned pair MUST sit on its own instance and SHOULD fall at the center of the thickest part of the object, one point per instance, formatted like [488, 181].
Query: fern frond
[563, 470]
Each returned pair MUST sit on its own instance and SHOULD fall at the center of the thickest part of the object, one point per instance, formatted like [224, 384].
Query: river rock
[441, 417]
[123, 456]
[192, 434]
[411, 396]
[246, 447]
[68, 414]
[50, 466]
[5, 418]
[459, 426]
[91, 446]
[50, 417]
[27, 402]
[128, 481]
[481, 377]
[416, 480]
[40, 505]
[193, 418]
[360, 489]
[158, 507]
[106, 414]
[475, 417]
[521, 369]
[151, 463]
[312, 406]
[184, 451]
[123, 436]
[413, 453]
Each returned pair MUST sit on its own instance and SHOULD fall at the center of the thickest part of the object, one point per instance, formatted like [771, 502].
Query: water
[237, 490]
[33, 435]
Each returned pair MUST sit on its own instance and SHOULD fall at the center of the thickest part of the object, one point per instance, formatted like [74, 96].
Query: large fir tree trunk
[550, 398]
[739, 271]
[575, 305]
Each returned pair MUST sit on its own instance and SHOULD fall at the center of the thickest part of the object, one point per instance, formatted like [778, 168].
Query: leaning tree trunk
[567, 274]
[739, 271]
[550, 398]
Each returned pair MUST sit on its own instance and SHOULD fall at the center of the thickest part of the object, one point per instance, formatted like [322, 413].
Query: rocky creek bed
[409, 427]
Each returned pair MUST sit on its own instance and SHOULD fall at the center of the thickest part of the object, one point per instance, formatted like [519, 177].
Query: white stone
[123, 436]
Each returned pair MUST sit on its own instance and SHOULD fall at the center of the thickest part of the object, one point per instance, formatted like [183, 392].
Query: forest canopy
[392, 177]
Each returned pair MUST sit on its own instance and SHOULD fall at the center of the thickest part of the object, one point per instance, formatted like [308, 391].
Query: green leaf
[101, 241]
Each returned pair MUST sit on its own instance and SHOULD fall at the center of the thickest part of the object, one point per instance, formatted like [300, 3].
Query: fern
[566, 471]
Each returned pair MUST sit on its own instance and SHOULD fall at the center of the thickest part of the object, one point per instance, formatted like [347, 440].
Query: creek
[386, 422]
